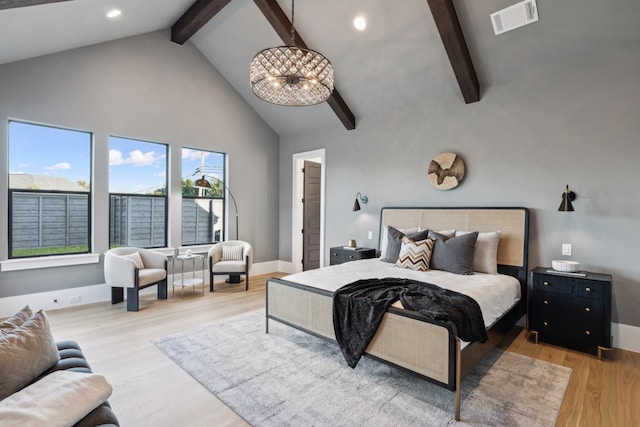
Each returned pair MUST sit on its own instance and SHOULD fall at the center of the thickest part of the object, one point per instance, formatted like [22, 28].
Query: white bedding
[495, 293]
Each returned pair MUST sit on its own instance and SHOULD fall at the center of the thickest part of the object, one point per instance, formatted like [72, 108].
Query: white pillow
[61, 398]
[232, 252]
[485, 256]
[136, 258]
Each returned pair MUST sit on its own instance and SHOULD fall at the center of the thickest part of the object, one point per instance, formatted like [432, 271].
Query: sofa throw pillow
[26, 353]
[415, 255]
[232, 252]
[485, 255]
[136, 258]
[394, 242]
[16, 320]
[454, 254]
[61, 398]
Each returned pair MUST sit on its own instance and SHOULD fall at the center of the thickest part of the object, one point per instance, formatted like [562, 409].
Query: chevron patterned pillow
[415, 254]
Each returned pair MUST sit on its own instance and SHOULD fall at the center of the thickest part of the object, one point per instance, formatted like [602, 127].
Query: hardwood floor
[150, 390]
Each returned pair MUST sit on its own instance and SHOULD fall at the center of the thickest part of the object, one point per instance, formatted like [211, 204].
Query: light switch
[566, 249]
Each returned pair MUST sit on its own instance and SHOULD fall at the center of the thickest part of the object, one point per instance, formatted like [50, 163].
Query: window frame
[198, 173]
[10, 191]
[120, 194]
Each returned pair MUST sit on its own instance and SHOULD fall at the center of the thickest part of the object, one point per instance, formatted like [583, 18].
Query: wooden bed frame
[406, 339]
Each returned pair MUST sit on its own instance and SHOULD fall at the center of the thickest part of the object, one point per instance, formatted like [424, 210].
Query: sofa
[45, 382]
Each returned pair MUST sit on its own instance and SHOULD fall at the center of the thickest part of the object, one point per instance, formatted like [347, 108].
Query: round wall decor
[446, 171]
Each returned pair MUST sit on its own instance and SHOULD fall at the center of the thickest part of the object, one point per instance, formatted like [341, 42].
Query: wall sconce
[567, 198]
[363, 199]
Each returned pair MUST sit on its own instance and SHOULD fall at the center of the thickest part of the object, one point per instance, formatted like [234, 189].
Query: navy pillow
[454, 254]
[394, 242]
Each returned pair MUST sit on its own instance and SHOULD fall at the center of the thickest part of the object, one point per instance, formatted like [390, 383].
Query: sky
[135, 166]
[42, 150]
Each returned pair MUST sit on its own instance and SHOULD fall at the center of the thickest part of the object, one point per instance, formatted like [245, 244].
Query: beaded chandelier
[290, 75]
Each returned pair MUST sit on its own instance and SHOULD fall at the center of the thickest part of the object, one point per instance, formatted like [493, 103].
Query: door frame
[318, 156]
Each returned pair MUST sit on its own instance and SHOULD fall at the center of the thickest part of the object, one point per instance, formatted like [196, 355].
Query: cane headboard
[512, 222]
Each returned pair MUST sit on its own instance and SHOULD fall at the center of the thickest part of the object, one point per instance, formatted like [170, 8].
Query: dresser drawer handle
[350, 256]
[587, 332]
[545, 283]
[546, 302]
[587, 309]
[587, 289]
[335, 254]
[545, 323]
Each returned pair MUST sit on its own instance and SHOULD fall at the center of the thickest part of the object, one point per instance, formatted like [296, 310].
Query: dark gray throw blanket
[359, 306]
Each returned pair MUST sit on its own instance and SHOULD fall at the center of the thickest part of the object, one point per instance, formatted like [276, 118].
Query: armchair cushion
[229, 267]
[147, 276]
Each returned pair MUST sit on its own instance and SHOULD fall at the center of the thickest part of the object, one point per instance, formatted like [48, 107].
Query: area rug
[290, 378]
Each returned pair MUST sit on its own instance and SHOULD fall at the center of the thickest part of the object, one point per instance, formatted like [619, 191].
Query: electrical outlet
[74, 299]
[566, 249]
[371, 235]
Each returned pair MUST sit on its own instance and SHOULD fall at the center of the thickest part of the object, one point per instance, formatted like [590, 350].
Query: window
[49, 190]
[137, 193]
[202, 210]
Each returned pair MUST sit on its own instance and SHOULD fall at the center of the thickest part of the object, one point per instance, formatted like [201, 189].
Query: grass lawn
[19, 253]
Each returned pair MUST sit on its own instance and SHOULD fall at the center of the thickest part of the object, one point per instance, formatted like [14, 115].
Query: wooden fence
[48, 220]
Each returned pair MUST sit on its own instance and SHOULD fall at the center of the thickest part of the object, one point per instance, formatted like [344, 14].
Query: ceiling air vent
[515, 16]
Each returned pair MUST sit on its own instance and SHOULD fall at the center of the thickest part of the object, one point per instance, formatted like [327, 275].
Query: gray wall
[148, 88]
[522, 143]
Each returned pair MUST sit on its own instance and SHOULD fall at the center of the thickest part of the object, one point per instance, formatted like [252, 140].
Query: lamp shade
[202, 183]
[356, 205]
[291, 76]
[567, 197]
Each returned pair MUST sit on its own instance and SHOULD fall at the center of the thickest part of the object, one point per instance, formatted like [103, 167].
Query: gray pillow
[454, 254]
[394, 242]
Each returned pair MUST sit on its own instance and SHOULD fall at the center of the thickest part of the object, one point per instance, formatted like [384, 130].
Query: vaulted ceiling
[406, 56]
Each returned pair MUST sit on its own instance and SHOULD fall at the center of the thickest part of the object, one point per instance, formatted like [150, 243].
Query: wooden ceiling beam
[11, 4]
[281, 24]
[195, 18]
[444, 14]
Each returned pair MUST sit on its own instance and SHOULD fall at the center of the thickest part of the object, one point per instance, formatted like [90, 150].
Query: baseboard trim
[53, 300]
[626, 337]
[63, 298]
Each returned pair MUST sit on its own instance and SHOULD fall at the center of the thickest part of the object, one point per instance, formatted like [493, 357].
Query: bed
[406, 339]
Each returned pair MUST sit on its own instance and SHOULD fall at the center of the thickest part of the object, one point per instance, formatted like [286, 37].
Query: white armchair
[134, 269]
[233, 257]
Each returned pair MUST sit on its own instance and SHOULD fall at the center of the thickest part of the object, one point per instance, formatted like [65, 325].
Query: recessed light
[114, 13]
[360, 23]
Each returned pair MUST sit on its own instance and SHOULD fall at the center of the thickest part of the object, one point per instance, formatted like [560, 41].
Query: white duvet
[495, 293]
